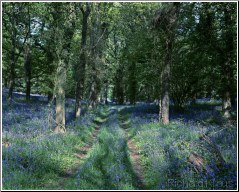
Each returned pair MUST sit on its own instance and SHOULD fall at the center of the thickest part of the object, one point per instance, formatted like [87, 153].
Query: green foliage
[127, 55]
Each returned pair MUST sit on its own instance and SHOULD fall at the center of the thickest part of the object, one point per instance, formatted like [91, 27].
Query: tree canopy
[121, 52]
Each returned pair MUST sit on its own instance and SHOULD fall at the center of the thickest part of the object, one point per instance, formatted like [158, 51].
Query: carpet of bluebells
[165, 149]
[34, 157]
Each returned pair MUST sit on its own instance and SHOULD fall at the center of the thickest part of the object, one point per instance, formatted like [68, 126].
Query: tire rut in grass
[134, 153]
[136, 164]
[83, 151]
[81, 154]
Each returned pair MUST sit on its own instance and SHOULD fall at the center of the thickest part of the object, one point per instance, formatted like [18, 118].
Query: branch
[26, 36]
[87, 11]
[99, 39]
[37, 44]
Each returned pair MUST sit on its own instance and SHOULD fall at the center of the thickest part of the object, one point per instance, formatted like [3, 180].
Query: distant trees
[16, 32]
[123, 52]
[216, 36]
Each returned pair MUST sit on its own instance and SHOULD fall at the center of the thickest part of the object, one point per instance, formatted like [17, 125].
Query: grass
[37, 158]
[108, 164]
[165, 151]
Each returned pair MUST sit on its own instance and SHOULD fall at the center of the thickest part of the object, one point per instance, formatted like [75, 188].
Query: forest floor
[117, 147]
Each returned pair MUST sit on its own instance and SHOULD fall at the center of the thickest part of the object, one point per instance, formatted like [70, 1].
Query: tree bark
[93, 95]
[99, 33]
[63, 41]
[226, 105]
[165, 86]
[226, 65]
[119, 88]
[27, 66]
[13, 46]
[80, 70]
[169, 32]
[106, 93]
[60, 97]
[132, 83]
[27, 58]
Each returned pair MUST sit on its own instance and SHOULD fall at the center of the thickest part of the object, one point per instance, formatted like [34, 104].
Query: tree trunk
[78, 100]
[106, 93]
[27, 65]
[80, 70]
[93, 96]
[49, 96]
[226, 105]
[226, 65]
[132, 83]
[165, 88]
[60, 97]
[169, 33]
[63, 42]
[13, 45]
[97, 37]
[119, 87]
[27, 58]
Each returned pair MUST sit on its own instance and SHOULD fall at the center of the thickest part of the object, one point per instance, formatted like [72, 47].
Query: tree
[98, 36]
[18, 34]
[217, 25]
[27, 57]
[62, 13]
[13, 47]
[80, 68]
[166, 20]
[194, 52]
[227, 61]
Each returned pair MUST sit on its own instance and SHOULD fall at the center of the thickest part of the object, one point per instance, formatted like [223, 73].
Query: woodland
[119, 95]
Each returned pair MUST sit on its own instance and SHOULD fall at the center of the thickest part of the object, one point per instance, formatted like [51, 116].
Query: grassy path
[125, 123]
[138, 170]
[81, 153]
[98, 155]
[112, 163]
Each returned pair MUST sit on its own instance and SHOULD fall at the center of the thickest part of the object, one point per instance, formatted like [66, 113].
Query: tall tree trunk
[132, 83]
[78, 100]
[13, 46]
[27, 58]
[93, 53]
[169, 30]
[27, 66]
[226, 65]
[97, 37]
[63, 42]
[60, 96]
[80, 70]
[93, 95]
[119, 88]
[106, 93]
[165, 85]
